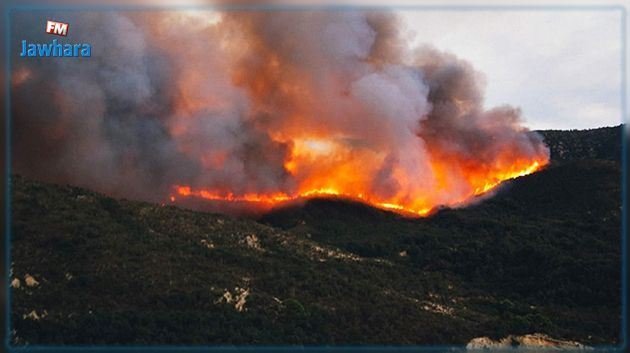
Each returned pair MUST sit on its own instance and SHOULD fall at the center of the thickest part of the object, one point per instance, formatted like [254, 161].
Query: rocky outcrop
[536, 340]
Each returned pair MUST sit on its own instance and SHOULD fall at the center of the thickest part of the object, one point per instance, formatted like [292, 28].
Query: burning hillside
[264, 108]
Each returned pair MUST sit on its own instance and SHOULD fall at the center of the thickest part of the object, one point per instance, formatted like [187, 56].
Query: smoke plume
[263, 106]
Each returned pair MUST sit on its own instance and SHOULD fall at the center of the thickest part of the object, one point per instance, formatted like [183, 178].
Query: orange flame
[420, 206]
[324, 122]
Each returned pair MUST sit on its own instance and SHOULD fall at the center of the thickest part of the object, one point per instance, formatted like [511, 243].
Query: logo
[55, 48]
[57, 28]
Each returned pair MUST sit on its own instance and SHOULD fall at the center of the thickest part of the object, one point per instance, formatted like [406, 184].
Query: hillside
[541, 256]
[559, 226]
[600, 143]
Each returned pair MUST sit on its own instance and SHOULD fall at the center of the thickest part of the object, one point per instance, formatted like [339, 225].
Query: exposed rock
[438, 308]
[15, 283]
[207, 244]
[34, 316]
[30, 281]
[227, 297]
[238, 298]
[336, 254]
[536, 340]
[253, 242]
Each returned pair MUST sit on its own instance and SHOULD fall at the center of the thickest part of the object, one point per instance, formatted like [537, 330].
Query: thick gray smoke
[97, 122]
[264, 103]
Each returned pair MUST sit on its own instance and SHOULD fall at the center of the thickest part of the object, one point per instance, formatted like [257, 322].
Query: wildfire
[414, 207]
[269, 124]
[240, 111]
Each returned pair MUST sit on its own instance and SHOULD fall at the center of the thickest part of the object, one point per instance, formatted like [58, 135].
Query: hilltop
[600, 143]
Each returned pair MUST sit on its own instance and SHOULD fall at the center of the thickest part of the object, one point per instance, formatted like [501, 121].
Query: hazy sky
[561, 68]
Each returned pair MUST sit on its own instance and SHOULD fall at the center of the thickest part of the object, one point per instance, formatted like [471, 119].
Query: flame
[421, 206]
[269, 124]
[261, 108]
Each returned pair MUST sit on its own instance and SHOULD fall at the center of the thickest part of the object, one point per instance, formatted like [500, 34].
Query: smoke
[265, 103]
[98, 122]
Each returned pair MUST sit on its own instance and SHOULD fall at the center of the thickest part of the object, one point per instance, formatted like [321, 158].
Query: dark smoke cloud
[97, 122]
[458, 122]
[169, 99]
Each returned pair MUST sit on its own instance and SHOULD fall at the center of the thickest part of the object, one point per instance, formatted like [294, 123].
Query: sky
[562, 68]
